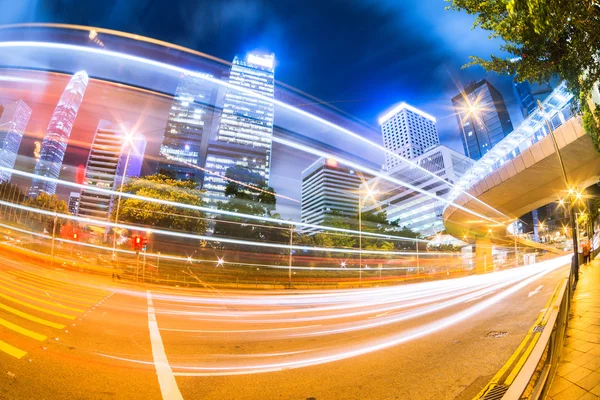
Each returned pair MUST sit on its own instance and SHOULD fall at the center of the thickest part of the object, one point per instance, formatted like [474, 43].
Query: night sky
[362, 56]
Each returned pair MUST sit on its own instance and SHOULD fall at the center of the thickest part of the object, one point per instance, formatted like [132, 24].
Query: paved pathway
[578, 375]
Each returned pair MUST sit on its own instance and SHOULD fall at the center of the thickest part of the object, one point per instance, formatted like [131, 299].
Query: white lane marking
[166, 379]
[536, 291]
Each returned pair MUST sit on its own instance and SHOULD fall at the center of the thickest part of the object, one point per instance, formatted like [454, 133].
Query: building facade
[413, 209]
[529, 93]
[13, 123]
[329, 188]
[74, 198]
[407, 132]
[188, 128]
[59, 129]
[113, 156]
[482, 118]
[245, 132]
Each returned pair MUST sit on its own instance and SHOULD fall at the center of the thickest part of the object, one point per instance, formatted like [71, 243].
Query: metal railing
[537, 374]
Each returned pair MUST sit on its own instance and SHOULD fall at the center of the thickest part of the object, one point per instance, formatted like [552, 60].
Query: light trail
[493, 287]
[212, 238]
[248, 92]
[204, 209]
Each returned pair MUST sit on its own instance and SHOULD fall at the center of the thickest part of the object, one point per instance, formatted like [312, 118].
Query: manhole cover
[496, 334]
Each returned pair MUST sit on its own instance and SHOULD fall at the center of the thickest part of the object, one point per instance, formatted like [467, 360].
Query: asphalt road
[65, 335]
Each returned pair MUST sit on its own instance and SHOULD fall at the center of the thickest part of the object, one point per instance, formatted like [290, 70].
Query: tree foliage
[48, 202]
[248, 193]
[543, 38]
[137, 211]
[372, 222]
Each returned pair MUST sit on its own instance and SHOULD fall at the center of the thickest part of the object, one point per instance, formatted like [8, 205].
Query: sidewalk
[578, 374]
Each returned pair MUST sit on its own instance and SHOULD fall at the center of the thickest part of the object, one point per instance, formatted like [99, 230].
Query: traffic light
[139, 243]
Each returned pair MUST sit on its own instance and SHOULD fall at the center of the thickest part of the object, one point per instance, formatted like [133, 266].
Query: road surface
[65, 335]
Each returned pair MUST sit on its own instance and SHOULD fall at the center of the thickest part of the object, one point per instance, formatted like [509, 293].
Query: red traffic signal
[139, 242]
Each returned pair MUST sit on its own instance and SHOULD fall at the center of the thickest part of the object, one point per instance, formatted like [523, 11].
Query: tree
[248, 193]
[542, 38]
[142, 212]
[48, 202]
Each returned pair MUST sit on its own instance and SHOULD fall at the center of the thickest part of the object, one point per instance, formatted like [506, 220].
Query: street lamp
[127, 141]
[572, 191]
[369, 194]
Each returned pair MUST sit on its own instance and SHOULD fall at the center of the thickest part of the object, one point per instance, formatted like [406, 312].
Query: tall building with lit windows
[113, 156]
[245, 131]
[13, 123]
[412, 208]
[482, 118]
[59, 129]
[329, 188]
[188, 128]
[407, 132]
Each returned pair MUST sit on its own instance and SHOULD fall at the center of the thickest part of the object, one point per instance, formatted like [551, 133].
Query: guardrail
[529, 372]
[536, 375]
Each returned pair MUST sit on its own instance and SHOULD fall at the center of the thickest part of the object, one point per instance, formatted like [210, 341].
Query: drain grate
[496, 392]
[538, 328]
[496, 334]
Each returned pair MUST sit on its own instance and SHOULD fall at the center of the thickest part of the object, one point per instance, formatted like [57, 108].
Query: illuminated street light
[220, 262]
[343, 264]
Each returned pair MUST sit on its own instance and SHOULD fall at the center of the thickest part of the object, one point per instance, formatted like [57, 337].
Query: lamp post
[126, 142]
[290, 256]
[572, 198]
[370, 193]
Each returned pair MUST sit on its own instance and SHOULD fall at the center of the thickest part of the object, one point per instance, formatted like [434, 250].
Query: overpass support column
[484, 261]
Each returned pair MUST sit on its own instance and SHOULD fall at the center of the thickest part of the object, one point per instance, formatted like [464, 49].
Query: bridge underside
[528, 181]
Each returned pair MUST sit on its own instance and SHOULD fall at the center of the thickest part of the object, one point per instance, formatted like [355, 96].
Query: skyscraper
[57, 135]
[115, 153]
[408, 132]
[188, 128]
[528, 94]
[413, 209]
[482, 118]
[13, 122]
[245, 131]
[328, 188]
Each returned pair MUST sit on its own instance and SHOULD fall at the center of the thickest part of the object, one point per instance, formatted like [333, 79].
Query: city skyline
[291, 214]
[54, 145]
